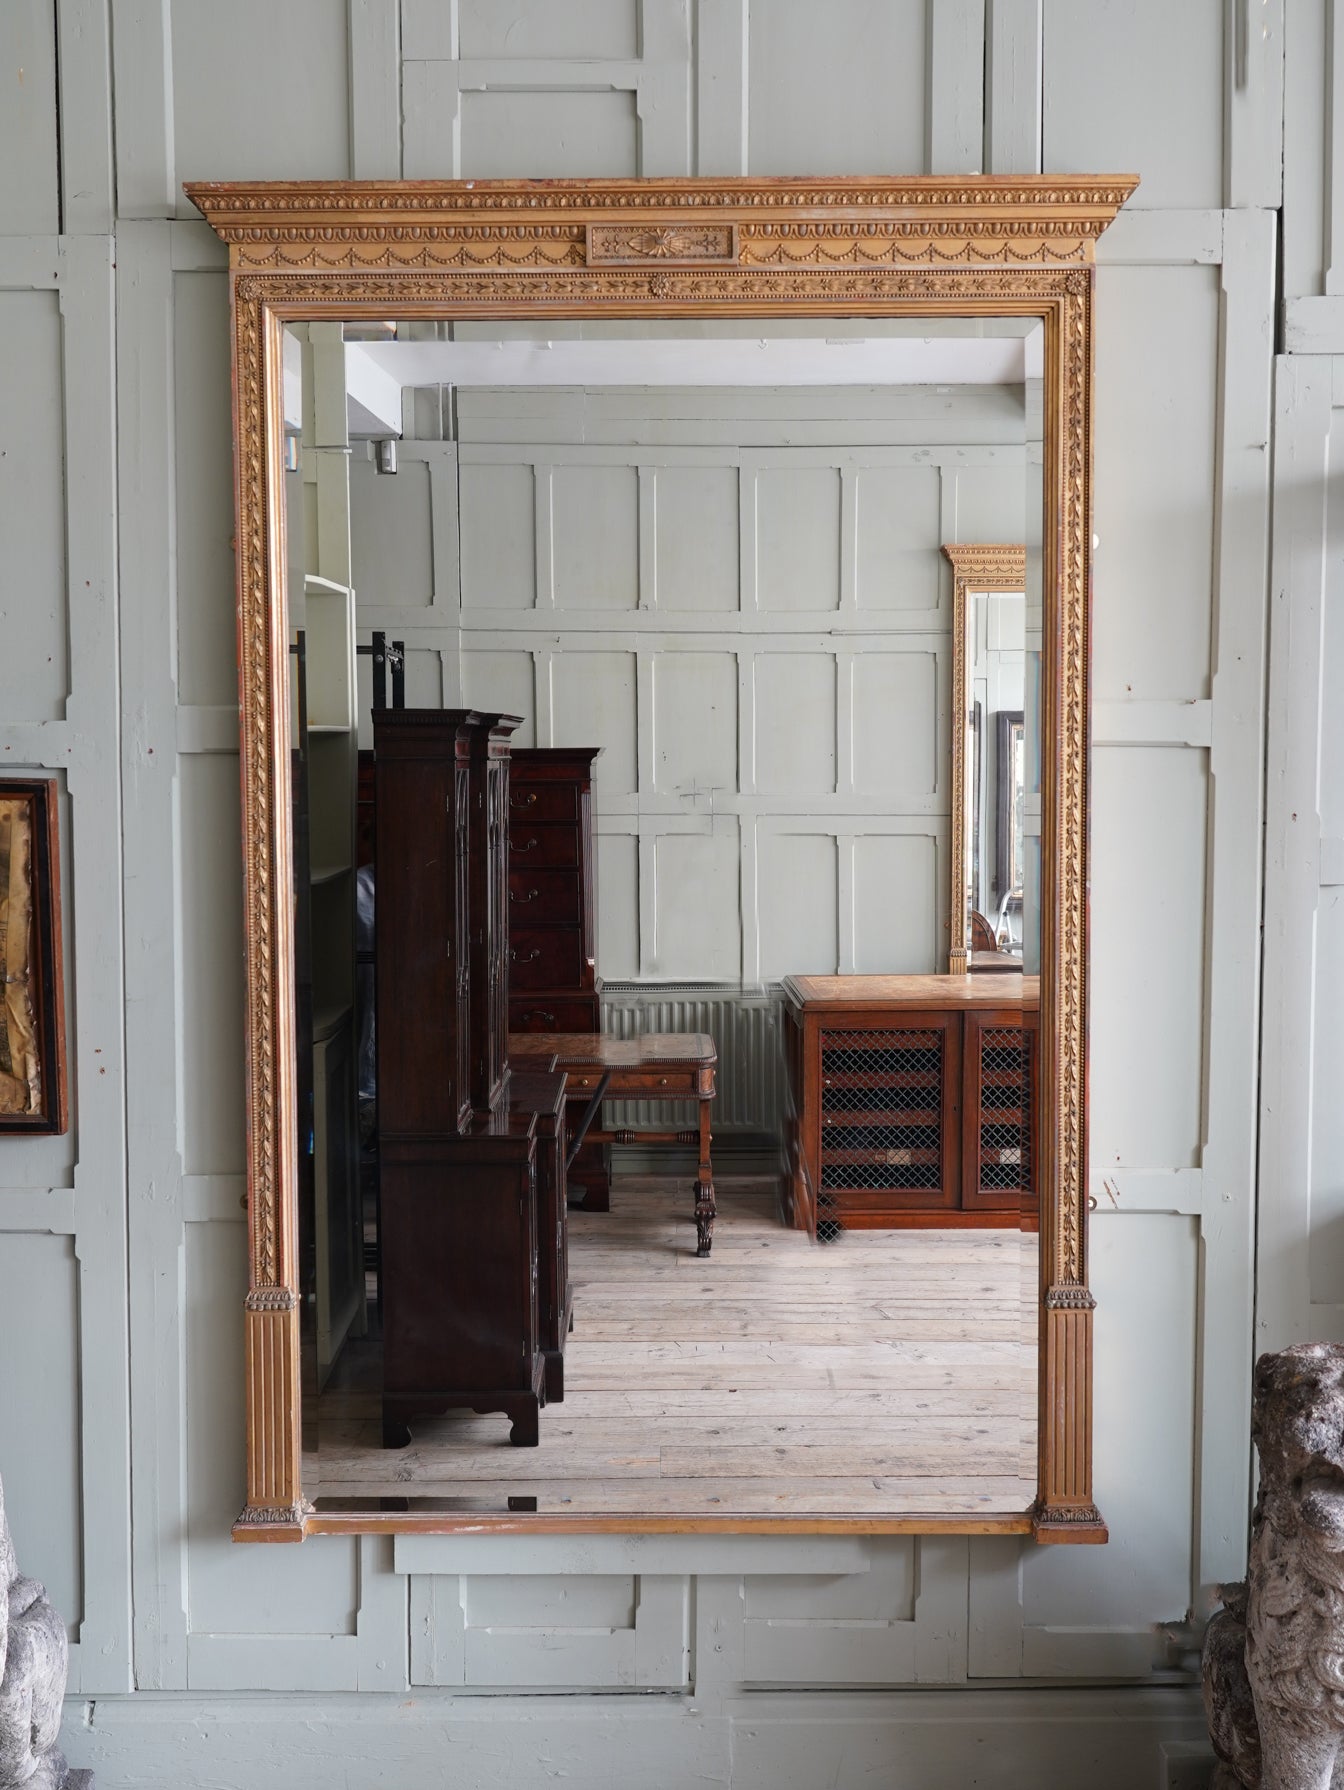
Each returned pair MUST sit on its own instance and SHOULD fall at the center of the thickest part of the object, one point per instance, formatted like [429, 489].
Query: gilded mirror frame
[975, 246]
[976, 566]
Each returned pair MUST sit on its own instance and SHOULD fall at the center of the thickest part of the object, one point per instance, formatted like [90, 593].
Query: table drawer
[542, 957]
[548, 844]
[543, 898]
[675, 1081]
[542, 801]
[541, 1013]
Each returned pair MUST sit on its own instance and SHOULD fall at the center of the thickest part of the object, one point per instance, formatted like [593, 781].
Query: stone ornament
[1273, 1661]
[34, 1658]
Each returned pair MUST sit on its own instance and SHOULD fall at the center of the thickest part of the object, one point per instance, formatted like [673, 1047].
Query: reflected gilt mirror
[644, 493]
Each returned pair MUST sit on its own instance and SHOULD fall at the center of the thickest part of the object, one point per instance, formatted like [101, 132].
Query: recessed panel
[797, 905]
[1157, 384]
[992, 503]
[39, 1413]
[798, 537]
[795, 723]
[504, 683]
[697, 550]
[498, 529]
[896, 745]
[34, 676]
[593, 704]
[1161, 113]
[581, 28]
[212, 957]
[838, 87]
[596, 533]
[1149, 844]
[896, 929]
[898, 537]
[699, 932]
[695, 724]
[508, 134]
[391, 534]
[240, 112]
[617, 905]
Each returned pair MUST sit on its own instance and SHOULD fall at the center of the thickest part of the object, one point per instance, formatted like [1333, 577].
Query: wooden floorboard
[888, 1372]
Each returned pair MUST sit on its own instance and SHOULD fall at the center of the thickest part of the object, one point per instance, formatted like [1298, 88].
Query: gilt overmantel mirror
[669, 473]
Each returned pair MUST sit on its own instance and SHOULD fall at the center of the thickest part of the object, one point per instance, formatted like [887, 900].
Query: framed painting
[32, 1012]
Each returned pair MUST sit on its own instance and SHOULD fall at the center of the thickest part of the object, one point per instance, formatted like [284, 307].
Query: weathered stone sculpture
[34, 1659]
[1274, 1655]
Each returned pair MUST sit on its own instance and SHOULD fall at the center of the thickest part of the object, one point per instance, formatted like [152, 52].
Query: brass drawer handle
[540, 1013]
[514, 846]
[663, 1082]
[526, 801]
[532, 895]
[531, 957]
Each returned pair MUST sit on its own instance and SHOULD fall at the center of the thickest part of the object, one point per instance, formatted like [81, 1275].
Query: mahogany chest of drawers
[553, 985]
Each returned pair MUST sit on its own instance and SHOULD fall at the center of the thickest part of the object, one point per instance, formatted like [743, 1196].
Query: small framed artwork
[32, 1010]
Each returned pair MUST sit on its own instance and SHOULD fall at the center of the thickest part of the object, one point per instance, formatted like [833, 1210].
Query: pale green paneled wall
[121, 1248]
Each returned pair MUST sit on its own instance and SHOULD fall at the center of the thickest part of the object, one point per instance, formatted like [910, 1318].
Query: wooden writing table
[659, 1066]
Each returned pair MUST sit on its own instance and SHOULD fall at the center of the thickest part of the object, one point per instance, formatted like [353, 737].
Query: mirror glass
[710, 552]
[996, 788]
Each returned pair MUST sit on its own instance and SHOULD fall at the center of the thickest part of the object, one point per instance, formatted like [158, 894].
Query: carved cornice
[484, 224]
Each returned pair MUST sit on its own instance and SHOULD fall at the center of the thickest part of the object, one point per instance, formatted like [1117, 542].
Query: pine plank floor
[889, 1372]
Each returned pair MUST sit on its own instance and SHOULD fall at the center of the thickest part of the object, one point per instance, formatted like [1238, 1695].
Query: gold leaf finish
[991, 246]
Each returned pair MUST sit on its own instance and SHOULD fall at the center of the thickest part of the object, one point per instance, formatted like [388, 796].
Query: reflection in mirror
[699, 564]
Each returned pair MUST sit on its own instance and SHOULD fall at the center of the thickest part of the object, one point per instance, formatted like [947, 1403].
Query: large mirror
[790, 797]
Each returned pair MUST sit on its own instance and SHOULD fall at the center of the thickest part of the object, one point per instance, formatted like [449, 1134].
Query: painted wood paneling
[35, 666]
[1137, 86]
[814, 108]
[39, 1412]
[141, 722]
[239, 111]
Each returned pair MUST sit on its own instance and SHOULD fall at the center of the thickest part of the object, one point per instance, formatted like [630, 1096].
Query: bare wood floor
[889, 1371]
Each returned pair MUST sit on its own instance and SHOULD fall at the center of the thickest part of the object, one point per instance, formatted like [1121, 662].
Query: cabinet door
[890, 1118]
[997, 1141]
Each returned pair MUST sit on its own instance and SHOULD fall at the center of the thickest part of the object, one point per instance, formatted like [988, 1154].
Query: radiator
[746, 1027]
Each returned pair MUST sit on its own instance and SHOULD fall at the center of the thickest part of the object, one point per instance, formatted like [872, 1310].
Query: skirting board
[903, 1740]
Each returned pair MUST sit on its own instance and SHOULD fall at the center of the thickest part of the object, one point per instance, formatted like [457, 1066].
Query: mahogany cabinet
[911, 1100]
[459, 1266]
[552, 916]
[540, 1093]
[422, 815]
[458, 1243]
[488, 903]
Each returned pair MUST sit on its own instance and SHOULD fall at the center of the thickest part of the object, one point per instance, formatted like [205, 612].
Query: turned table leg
[704, 1189]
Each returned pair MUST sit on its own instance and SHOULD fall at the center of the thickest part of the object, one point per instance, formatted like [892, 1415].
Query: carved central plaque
[625, 245]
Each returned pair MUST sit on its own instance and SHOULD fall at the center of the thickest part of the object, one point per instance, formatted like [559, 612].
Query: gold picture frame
[976, 246]
[33, 1095]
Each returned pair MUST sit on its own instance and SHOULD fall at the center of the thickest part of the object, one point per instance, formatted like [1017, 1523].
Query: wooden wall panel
[1148, 961]
[811, 106]
[1113, 99]
[239, 112]
[212, 1116]
[800, 935]
[39, 1412]
[30, 201]
[35, 667]
[203, 483]
[1159, 337]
